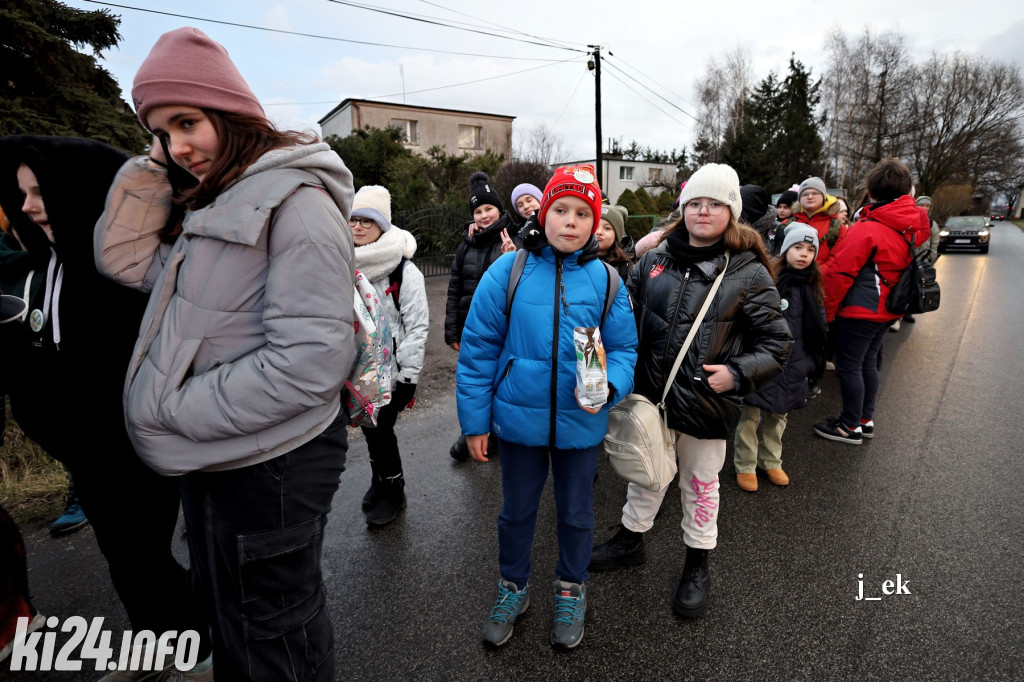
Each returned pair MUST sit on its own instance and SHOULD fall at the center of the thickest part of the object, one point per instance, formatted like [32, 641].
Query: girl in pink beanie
[236, 382]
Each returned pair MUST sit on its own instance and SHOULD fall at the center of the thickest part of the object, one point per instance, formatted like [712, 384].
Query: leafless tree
[539, 144]
[867, 84]
[721, 93]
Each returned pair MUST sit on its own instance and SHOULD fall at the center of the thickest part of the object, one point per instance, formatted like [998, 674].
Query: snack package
[591, 367]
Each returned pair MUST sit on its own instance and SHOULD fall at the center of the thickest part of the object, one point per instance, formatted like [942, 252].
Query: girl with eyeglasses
[742, 342]
[382, 254]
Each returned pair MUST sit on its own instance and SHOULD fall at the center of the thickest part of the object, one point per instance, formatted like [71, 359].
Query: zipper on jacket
[666, 365]
[504, 375]
[554, 353]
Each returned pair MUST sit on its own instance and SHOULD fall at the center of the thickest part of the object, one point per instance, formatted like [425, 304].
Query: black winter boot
[626, 548]
[372, 496]
[459, 450]
[392, 501]
[691, 598]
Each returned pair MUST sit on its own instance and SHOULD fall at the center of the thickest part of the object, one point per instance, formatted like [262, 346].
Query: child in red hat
[517, 378]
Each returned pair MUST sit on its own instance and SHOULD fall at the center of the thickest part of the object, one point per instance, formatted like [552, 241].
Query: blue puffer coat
[518, 378]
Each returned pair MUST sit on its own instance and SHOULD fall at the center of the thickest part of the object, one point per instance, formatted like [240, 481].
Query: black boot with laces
[691, 598]
[626, 548]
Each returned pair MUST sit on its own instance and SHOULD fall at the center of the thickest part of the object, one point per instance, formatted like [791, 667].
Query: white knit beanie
[799, 232]
[715, 181]
[374, 202]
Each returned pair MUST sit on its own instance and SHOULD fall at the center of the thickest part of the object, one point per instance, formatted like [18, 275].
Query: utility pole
[595, 65]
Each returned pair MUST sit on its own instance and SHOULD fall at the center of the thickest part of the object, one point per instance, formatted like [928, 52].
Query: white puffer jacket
[410, 323]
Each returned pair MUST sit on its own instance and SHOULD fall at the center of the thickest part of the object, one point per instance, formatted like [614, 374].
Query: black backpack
[916, 291]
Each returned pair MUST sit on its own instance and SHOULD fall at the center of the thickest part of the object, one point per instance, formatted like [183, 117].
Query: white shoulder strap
[693, 331]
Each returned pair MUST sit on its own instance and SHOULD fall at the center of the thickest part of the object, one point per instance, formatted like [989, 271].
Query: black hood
[74, 176]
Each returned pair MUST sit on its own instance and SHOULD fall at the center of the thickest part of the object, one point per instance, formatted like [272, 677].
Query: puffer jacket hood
[743, 329]
[318, 159]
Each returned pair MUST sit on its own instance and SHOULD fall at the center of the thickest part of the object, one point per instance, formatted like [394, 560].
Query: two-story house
[424, 127]
[621, 174]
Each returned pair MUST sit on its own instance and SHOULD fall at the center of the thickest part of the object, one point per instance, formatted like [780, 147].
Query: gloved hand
[402, 395]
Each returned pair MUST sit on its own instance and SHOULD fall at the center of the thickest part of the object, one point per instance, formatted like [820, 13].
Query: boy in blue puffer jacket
[517, 376]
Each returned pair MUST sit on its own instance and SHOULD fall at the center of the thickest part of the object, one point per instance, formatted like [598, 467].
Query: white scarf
[379, 259]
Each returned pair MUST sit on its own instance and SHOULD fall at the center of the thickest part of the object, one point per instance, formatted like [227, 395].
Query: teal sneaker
[509, 605]
[570, 609]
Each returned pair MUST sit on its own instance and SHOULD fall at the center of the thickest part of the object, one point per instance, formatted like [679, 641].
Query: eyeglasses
[365, 223]
[713, 207]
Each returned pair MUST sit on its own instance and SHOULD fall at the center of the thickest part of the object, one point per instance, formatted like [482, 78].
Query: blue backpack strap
[513, 281]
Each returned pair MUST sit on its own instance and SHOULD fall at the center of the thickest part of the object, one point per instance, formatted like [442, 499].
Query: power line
[313, 35]
[480, 80]
[655, 92]
[440, 87]
[503, 28]
[663, 87]
[438, 22]
[569, 101]
[646, 100]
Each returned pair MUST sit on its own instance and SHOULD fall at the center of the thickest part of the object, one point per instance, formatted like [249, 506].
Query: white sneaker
[895, 327]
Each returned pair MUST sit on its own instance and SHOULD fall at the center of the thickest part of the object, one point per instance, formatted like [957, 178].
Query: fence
[438, 231]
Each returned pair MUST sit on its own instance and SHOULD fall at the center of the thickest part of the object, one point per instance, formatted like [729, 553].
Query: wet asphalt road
[933, 498]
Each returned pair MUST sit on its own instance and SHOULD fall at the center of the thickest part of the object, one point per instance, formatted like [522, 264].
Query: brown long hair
[243, 140]
[738, 237]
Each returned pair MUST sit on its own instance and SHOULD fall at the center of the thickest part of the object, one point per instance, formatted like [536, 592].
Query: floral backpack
[369, 384]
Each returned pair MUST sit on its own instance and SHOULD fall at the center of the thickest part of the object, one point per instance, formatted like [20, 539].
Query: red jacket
[853, 287]
[821, 221]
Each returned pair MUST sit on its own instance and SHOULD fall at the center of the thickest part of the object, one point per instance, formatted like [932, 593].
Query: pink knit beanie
[187, 67]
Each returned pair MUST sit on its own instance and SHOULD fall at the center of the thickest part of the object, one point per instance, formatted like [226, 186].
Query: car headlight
[983, 233]
[943, 233]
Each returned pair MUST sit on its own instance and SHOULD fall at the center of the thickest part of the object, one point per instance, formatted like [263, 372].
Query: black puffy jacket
[743, 329]
[472, 258]
[806, 320]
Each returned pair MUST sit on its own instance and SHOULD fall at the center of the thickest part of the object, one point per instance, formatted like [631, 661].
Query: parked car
[965, 232]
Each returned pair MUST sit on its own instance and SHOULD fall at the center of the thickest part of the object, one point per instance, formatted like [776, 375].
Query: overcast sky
[664, 45]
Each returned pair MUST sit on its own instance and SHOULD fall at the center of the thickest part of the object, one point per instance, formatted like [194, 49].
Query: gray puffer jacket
[247, 339]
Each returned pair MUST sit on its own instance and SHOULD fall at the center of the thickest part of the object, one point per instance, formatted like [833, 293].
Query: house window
[469, 137]
[625, 172]
[653, 175]
[409, 129]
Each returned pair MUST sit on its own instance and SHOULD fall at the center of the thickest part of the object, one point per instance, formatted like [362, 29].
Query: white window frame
[409, 128]
[626, 172]
[476, 133]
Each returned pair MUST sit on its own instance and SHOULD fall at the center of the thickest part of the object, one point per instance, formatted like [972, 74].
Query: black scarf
[679, 248]
[793, 283]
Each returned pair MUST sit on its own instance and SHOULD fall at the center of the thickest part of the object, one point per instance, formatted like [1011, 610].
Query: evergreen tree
[370, 153]
[645, 201]
[629, 201]
[49, 87]
[797, 153]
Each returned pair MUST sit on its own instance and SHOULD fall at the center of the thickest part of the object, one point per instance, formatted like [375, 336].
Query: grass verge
[32, 484]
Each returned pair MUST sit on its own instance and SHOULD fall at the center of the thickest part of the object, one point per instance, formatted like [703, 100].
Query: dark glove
[403, 394]
[35, 242]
